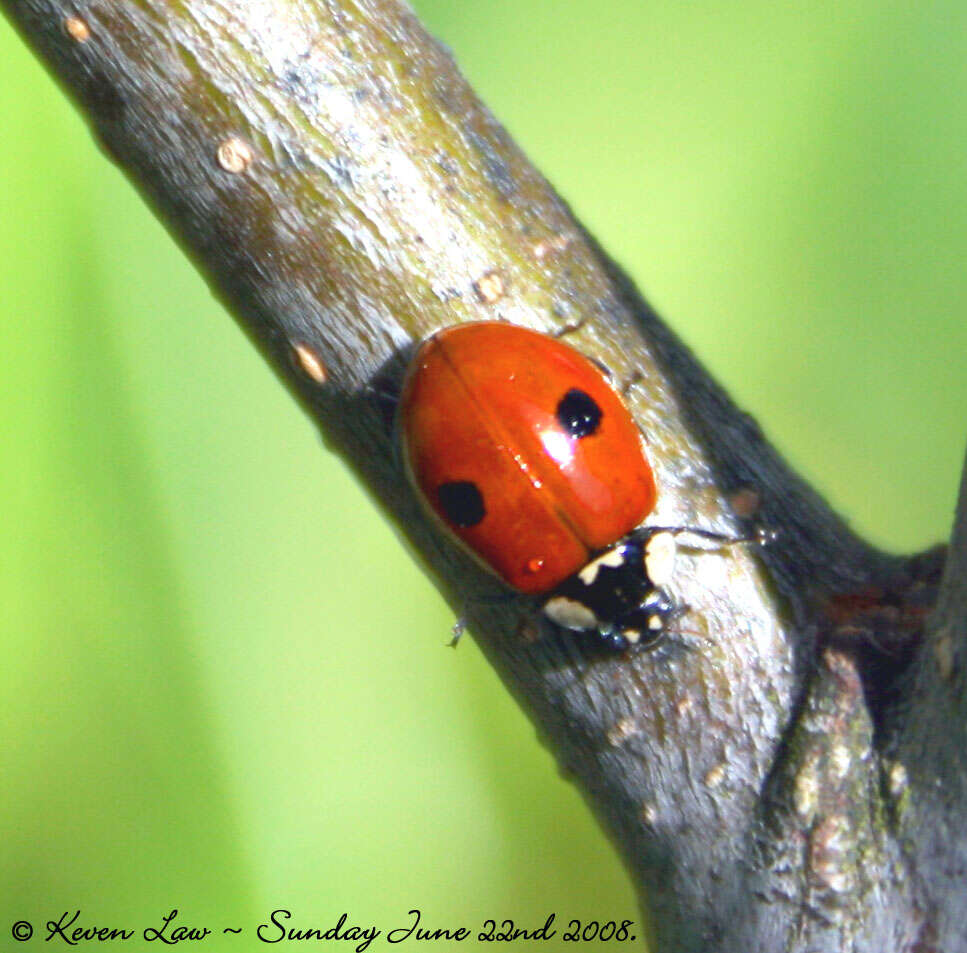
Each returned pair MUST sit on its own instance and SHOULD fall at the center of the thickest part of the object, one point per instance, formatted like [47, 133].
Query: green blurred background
[184, 722]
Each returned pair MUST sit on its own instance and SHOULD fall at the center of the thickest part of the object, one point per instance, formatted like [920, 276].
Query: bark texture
[788, 774]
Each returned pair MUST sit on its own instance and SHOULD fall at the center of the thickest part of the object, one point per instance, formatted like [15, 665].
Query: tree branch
[929, 766]
[345, 194]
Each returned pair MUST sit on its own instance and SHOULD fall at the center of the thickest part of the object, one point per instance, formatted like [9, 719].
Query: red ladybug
[521, 448]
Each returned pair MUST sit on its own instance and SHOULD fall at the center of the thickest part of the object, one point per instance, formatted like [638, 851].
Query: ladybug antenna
[673, 635]
[679, 612]
[761, 536]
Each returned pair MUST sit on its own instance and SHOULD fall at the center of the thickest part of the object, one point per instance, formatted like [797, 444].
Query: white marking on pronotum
[569, 613]
[613, 559]
[660, 552]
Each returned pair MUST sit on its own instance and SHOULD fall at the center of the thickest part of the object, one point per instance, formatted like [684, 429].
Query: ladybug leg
[460, 626]
[457, 630]
[670, 638]
[620, 642]
[601, 366]
[636, 378]
[616, 642]
[385, 398]
[679, 611]
[382, 393]
[385, 388]
[569, 328]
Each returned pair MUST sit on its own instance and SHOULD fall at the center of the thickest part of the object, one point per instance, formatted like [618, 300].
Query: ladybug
[518, 444]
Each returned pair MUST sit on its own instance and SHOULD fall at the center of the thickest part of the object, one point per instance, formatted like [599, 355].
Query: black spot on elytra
[578, 413]
[462, 503]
